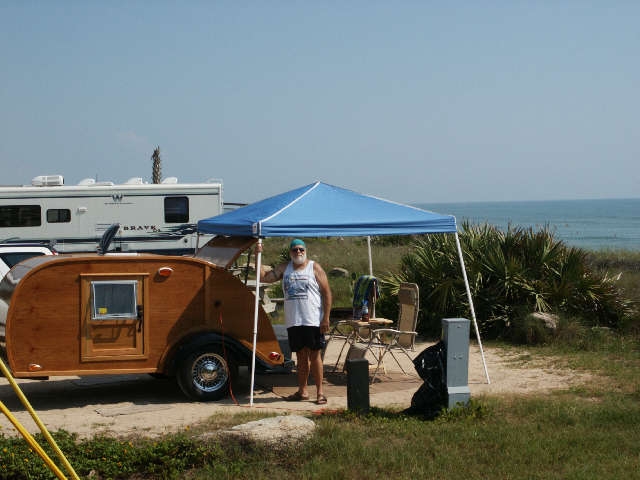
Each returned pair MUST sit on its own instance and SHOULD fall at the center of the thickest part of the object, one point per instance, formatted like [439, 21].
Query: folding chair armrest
[386, 336]
[393, 330]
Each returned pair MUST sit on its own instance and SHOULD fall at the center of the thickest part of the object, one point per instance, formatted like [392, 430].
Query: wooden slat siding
[44, 321]
[233, 302]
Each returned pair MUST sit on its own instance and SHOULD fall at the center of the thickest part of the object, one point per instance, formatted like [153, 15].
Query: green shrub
[511, 273]
[112, 458]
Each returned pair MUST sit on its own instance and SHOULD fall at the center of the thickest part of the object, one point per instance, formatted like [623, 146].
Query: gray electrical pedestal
[455, 334]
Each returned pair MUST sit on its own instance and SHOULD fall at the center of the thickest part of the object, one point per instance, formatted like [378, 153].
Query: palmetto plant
[511, 273]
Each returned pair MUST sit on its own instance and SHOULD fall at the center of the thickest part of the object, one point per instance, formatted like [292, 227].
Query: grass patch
[590, 432]
[507, 438]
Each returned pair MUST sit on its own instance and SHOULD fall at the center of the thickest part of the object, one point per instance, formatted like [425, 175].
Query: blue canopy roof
[323, 210]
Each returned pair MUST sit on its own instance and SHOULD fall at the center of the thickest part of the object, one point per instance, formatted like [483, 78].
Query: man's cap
[297, 243]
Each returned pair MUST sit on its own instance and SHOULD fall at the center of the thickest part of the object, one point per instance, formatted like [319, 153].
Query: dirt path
[140, 404]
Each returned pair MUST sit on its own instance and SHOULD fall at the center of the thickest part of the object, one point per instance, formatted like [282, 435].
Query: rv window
[58, 215]
[176, 209]
[114, 299]
[20, 216]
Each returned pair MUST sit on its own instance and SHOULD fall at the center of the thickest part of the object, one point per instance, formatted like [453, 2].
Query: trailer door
[114, 324]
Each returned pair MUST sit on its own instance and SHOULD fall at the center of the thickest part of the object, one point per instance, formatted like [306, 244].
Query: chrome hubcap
[210, 372]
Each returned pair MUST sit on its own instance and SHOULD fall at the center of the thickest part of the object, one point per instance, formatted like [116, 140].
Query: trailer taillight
[165, 271]
[274, 356]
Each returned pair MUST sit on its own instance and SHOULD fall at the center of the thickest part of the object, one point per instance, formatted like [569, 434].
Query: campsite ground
[143, 405]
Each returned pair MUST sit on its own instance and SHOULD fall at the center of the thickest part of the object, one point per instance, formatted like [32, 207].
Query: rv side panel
[158, 218]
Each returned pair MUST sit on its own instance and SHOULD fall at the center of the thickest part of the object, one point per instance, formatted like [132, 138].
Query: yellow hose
[36, 419]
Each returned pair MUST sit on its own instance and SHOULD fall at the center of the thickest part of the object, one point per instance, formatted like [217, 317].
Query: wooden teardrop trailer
[136, 313]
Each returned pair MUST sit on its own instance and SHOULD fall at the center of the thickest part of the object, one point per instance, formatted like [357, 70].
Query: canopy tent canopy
[323, 210]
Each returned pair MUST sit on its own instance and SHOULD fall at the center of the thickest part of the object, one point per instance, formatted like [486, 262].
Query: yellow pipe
[36, 419]
[32, 442]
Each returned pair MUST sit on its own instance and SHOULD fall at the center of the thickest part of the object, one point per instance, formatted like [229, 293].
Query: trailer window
[114, 299]
[176, 209]
[20, 216]
[58, 215]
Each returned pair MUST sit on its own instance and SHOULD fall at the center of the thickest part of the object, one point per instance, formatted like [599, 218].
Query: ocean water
[590, 224]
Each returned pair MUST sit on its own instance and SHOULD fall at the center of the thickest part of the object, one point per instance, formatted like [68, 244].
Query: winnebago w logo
[117, 197]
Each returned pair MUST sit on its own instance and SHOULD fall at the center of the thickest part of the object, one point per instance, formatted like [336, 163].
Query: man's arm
[325, 291]
[273, 275]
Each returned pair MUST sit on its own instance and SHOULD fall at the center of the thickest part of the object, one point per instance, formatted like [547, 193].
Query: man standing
[307, 305]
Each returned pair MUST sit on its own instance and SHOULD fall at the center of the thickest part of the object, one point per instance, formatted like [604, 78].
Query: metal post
[358, 384]
[473, 312]
[256, 305]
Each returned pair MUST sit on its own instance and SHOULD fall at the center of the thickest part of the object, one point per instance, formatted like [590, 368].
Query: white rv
[159, 218]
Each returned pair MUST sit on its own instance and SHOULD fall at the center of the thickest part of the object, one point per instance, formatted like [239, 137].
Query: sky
[413, 101]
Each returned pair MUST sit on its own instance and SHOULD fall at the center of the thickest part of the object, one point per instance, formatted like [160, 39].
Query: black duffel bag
[430, 397]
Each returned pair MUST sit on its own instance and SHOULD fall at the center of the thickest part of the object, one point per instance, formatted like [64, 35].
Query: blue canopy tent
[323, 210]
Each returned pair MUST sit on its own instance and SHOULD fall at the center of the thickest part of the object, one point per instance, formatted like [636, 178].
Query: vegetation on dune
[511, 274]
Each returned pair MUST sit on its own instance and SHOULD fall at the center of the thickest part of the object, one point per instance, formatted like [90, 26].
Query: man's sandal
[322, 400]
[296, 397]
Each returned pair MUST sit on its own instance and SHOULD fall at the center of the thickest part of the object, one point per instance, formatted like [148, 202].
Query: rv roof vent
[86, 181]
[47, 181]
[170, 180]
[134, 181]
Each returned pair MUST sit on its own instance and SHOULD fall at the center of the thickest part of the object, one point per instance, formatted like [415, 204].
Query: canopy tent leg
[255, 318]
[370, 260]
[373, 307]
[473, 312]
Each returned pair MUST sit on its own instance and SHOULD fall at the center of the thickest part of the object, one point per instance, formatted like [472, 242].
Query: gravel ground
[141, 404]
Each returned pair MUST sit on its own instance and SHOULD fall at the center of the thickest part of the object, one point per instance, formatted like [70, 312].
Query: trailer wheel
[205, 374]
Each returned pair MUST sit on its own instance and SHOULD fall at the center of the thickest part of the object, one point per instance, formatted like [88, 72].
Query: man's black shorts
[305, 336]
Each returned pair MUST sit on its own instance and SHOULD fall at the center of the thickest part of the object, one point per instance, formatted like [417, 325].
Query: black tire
[205, 374]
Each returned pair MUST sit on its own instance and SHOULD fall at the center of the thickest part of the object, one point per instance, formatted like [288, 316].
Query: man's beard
[299, 259]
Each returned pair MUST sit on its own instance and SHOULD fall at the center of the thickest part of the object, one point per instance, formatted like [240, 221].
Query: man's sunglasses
[298, 249]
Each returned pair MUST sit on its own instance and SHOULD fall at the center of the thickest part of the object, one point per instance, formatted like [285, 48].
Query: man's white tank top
[302, 298]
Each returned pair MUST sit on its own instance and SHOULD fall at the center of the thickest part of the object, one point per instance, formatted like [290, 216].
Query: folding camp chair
[402, 336]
